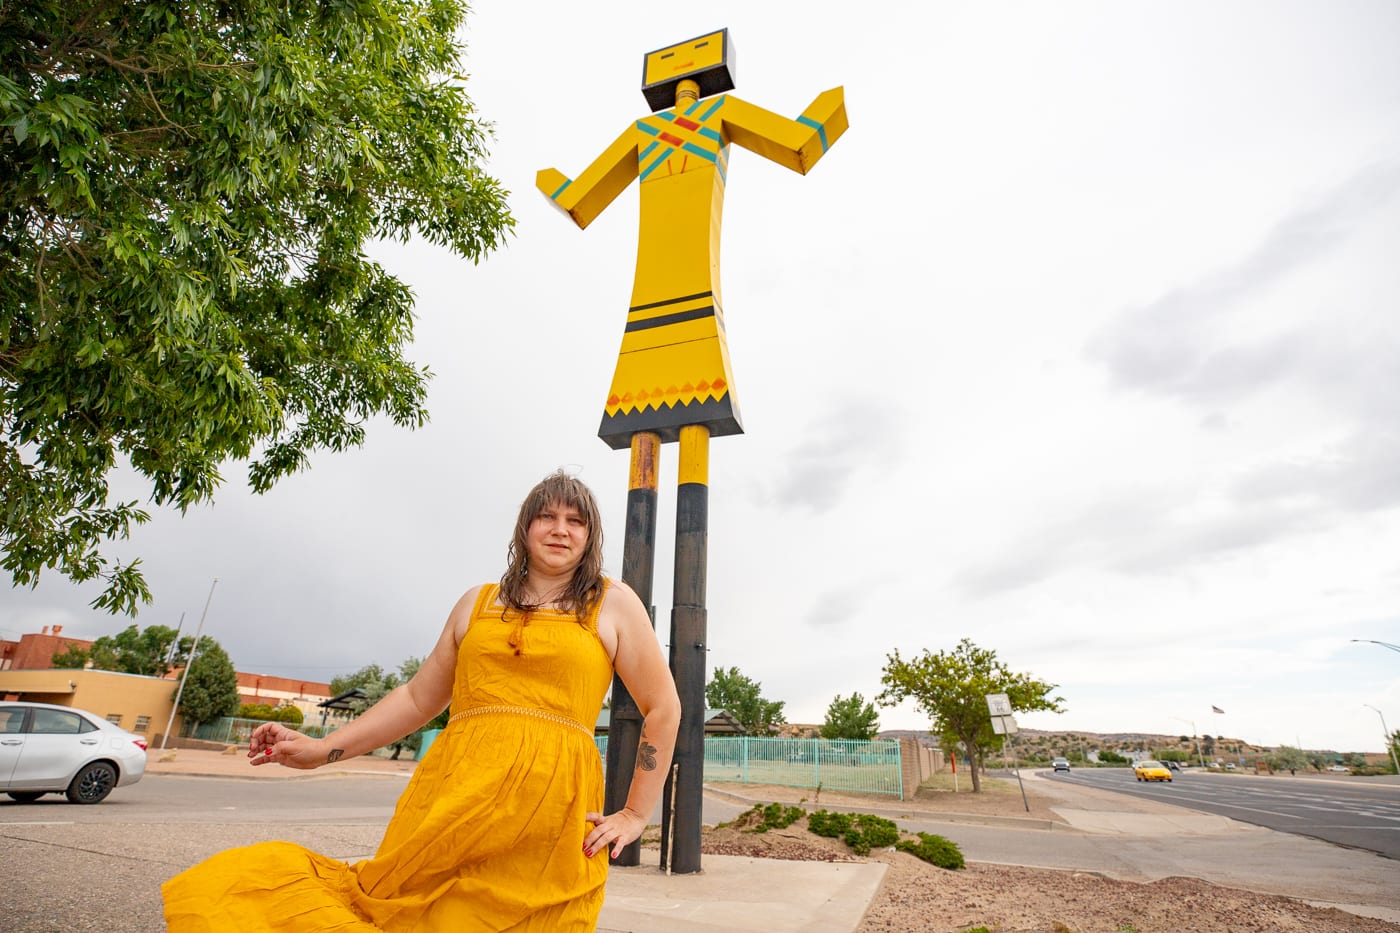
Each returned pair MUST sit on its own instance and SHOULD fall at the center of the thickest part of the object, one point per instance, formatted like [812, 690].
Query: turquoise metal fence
[237, 731]
[834, 764]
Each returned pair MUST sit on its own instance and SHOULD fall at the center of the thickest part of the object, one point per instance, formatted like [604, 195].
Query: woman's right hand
[273, 742]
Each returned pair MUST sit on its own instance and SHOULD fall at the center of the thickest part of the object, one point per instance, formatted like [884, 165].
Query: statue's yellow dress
[489, 833]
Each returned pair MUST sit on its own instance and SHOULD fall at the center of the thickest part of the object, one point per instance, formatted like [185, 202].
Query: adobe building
[136, 703]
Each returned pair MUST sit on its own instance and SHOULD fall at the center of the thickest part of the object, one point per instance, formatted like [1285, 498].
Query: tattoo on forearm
[646, 755]
[335, 755]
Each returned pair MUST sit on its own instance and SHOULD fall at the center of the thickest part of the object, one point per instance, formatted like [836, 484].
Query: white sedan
[47, 749]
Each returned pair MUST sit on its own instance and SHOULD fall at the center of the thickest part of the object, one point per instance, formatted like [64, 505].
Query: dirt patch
[917, 896]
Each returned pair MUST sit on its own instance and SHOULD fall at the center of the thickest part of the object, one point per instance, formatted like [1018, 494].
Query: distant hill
[1047, 744]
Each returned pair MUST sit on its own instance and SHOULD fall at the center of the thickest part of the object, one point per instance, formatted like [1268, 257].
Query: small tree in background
[211, 689]
[71, 658]
[371, 679]
[851, 718]
[1288, 758]
[952, 687]
[742, 697]
[147, 652]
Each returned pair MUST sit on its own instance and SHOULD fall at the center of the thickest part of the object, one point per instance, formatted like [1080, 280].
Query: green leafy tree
[211, 689]
[951, 688]
[742, 697]
[186, 189]
[376, 683]
[1288, 758]
[145, 651]
[70, 657]
[411, 742]
[372, 679]
[850, 718]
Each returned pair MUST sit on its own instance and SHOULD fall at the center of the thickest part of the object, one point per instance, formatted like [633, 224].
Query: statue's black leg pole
[680, 830]
[638, 566]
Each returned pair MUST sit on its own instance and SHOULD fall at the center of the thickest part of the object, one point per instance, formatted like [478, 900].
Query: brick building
[35, 652]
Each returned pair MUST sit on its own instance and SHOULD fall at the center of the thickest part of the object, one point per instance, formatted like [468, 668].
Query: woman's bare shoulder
[461, 615]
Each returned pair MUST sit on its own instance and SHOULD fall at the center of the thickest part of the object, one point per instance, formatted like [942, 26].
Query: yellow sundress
[489, 833]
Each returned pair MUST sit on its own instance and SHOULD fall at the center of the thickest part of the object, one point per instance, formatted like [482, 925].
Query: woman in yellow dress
[499, 828]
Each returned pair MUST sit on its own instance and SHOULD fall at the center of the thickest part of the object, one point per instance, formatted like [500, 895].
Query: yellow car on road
[1149, 770]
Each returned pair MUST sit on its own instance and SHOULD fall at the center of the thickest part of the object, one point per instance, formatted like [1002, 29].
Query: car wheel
[93, 783]
[26, 796]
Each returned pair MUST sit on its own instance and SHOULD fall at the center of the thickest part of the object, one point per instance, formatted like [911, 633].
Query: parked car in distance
[1060, 764]
[1340, 769]
[1150, 770]
[1229, 766]
[1172, 766]
[48, 749]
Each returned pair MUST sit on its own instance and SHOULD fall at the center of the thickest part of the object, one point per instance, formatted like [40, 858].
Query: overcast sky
[1082, 343]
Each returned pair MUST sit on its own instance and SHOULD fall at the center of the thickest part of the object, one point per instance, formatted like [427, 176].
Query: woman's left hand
[615, 830]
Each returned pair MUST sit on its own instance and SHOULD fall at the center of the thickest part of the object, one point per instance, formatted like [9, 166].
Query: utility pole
[189, 662]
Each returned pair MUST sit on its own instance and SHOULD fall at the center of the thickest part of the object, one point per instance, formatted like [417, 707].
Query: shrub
[288, 714]
[936, 850]
[776, 816]
[861, 831]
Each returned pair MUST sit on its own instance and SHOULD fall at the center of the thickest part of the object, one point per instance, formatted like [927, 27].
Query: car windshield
[1149, 764]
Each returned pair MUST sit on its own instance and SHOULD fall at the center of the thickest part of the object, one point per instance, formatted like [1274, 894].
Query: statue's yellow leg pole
[638, 570]
[680, 847]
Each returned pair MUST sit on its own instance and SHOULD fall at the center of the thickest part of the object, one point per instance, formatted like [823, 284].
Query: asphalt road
[1347, 813]
[70, 868]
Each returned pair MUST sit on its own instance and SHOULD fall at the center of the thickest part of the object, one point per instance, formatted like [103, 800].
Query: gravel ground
[917, 896]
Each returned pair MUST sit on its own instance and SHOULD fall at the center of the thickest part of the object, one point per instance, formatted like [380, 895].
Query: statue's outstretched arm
[795, 144]
[587, 196]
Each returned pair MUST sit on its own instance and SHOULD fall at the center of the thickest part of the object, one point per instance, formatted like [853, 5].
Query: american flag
[1216, 709]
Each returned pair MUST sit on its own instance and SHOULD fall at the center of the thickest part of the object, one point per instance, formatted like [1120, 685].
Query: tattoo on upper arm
[646, 755]
[335, 755]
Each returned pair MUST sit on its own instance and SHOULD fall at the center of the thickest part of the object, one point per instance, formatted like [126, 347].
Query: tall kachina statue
[673, 381]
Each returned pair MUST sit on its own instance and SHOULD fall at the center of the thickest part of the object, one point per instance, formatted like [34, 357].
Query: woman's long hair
[586, 587]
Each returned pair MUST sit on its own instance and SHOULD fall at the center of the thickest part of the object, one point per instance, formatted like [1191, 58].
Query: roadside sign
[999, 704]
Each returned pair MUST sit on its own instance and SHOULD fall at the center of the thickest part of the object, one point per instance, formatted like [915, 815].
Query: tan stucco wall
[106, 693]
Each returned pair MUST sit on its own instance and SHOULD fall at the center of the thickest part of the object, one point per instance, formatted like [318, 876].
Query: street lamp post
[1389, 742]
[1199, 756]
[1383, 644]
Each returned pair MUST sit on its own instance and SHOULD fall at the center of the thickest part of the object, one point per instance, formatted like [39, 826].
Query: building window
[114, 718]
[142, 723]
